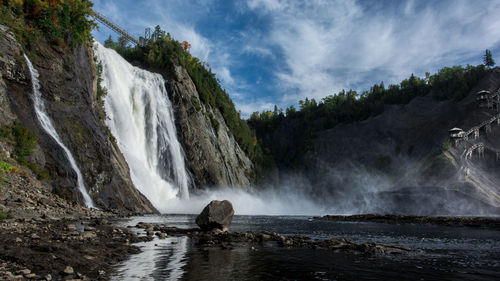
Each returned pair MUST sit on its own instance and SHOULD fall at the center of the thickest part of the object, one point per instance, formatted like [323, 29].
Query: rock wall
[68, 86]
[406, 146]
[212, 153]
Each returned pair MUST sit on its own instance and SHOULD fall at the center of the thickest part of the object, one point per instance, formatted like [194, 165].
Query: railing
[114, 27]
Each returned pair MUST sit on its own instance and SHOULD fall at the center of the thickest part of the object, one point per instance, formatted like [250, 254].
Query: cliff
[218, 144]
[213, 155]
[68, 84]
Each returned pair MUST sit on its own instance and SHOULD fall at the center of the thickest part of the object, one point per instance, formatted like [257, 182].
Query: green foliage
[8, 168]
[62, 22]
[101, 92]
[4, 215]
[446, 146]
[100, 95]
[215, 123]
[488, 59]
[196, 103]
[455, 82]
[25, 141]
[164, 53]
[348, 106]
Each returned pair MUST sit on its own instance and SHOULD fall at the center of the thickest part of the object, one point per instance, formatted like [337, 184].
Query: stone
[68, 270]
[19, 240]
[24, 271]
[71, 227]
[35, 236]
[217, 214]
[89, 235]
[48, 277]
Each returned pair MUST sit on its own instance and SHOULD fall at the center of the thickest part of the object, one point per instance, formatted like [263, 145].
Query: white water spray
[140, 117]
[47, 125]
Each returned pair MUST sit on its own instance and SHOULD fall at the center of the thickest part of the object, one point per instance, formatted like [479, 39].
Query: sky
[277, 52]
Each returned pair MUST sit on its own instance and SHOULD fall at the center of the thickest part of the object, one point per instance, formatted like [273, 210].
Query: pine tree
[488, 59]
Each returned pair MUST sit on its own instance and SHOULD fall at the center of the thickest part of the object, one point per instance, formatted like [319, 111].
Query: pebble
[24, 271]
[19, 240]
[71, 227]
[48, 277]
[68, 270]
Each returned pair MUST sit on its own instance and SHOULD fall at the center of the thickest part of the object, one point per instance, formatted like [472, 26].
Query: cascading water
[140, 117]
[47, 125]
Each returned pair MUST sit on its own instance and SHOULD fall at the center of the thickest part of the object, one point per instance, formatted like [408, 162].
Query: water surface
[443, 253]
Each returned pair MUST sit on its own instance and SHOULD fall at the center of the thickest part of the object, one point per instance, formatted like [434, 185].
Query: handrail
[114, 27]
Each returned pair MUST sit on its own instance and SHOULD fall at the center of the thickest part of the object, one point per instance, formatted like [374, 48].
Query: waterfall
[47, 125]
[140, 117]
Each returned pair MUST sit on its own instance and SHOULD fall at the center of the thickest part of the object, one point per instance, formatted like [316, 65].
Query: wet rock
[217, 214]
[69, 270]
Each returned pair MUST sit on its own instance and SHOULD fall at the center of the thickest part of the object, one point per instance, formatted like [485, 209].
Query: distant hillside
[352, 156]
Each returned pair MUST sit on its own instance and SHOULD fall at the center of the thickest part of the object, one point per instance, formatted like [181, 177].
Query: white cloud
[247, 108]
[330, 45]
[224, 75]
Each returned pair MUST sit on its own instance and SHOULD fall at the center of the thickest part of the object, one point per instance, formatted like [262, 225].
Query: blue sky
[268, 52]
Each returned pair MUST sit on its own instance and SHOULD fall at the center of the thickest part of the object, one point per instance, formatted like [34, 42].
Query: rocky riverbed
[483, 222]
[229, 240]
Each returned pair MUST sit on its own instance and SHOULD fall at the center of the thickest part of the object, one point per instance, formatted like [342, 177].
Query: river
[441, 253]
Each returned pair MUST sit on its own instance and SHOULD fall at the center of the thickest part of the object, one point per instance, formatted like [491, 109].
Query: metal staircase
[115, 27]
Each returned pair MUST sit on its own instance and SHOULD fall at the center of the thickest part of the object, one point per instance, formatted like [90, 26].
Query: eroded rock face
[216, 215]
[68, 86]
[214, 156]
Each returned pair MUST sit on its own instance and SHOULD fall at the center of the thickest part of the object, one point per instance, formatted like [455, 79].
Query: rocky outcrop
[68, 86]
[214, 156]
[216, 215]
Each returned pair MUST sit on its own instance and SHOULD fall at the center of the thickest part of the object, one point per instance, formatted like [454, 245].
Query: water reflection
[159, 260]
[444, 253]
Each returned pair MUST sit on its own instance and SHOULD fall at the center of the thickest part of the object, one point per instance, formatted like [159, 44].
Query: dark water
[444, 253]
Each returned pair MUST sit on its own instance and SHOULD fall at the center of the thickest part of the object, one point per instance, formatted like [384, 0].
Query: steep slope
[407, 146]
[213, 154]
[68, 85]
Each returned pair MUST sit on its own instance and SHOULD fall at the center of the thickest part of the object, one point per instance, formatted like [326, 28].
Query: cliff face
[212, 153]
[68, 86]
[402, 158]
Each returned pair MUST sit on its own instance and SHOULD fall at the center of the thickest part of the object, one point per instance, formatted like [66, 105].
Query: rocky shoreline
[481, 222]
[45, 237]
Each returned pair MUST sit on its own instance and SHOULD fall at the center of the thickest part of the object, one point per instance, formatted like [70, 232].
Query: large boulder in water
[216, 215]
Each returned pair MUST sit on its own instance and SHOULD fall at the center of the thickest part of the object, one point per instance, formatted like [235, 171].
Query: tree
[122, 42]
[109, 43]
[186, 46]
[488, 59]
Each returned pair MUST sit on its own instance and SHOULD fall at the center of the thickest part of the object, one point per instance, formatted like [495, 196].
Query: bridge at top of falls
[115, 27]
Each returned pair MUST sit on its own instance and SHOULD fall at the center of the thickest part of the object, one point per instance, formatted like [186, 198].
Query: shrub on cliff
[62, 22]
